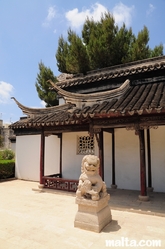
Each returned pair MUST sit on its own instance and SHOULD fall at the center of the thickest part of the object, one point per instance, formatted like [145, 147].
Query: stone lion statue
[91, 185]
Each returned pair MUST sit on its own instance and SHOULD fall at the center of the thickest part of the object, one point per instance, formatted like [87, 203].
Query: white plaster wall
[28, 157]
[127, 159]
[157, 137]
[71, 162]
[13, 147]
[61, 101]
[52, 155]
[108, 159]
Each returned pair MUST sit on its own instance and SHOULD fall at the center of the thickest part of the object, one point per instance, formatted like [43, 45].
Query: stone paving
[42, 220]
[128, 200]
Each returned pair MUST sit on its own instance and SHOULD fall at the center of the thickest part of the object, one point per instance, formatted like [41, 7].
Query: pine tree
[140, 47]
[101, 39]
[61, 55]
[43, 87]
[77, 58]
[157, 51]
[103, 44]
[72, 55]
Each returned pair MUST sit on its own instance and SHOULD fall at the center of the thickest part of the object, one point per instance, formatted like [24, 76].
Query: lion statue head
[90, 165]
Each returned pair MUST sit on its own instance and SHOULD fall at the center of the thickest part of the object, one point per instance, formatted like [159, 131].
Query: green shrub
[7, 154]
[7, 169]
[0, 154]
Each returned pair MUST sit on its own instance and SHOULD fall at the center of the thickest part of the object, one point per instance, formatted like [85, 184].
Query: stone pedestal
[40, 186]
[150, 189]
[113, 186]
[93, 215]
[143, 198]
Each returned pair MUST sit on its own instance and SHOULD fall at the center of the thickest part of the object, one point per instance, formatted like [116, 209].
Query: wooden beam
[109, 130]
[147, 120]
[42, 156]
[66, 128]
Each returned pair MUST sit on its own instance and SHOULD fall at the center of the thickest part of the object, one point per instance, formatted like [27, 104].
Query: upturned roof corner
[32, 112]
[79, 99]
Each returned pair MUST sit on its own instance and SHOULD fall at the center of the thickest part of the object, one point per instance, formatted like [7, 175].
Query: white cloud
[150, 9]
[76, 18]
[50, 16]
[5, 91]
[43, 103]
[51, 13]
[123, 14]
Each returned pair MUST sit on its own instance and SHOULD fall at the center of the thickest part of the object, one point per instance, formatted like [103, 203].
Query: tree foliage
[43, 87]
[1, 140]
[72, 55]
[102, 44]
[62, 52]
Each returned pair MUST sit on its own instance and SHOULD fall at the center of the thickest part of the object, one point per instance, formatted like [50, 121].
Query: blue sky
[29, 32]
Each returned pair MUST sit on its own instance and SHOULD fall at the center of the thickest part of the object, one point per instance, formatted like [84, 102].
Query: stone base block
[143, 198]
[40, 186]
[150, 189]
[93, 215]
[113, 186]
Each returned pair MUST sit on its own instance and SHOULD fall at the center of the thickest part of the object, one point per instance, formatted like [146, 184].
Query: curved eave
[78, 119]
[91, 97]
[38, 111]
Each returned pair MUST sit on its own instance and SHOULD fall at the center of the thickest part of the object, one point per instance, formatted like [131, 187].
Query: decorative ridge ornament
[79, 98]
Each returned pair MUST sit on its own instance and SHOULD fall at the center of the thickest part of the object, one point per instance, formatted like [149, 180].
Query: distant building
[7, 135]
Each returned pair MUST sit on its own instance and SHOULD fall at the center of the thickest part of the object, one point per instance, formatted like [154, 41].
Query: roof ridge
[116, 71]
[132, 63]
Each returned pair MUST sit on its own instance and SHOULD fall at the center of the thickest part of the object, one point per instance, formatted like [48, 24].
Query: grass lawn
[6, 161]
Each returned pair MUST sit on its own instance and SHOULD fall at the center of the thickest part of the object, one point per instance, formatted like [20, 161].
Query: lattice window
[85, 145]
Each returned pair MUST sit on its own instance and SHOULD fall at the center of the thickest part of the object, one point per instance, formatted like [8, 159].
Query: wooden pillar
[101, 154]
[113, 185]
[143, 196]
[60, 136]
[42, 155]
[149, 160]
